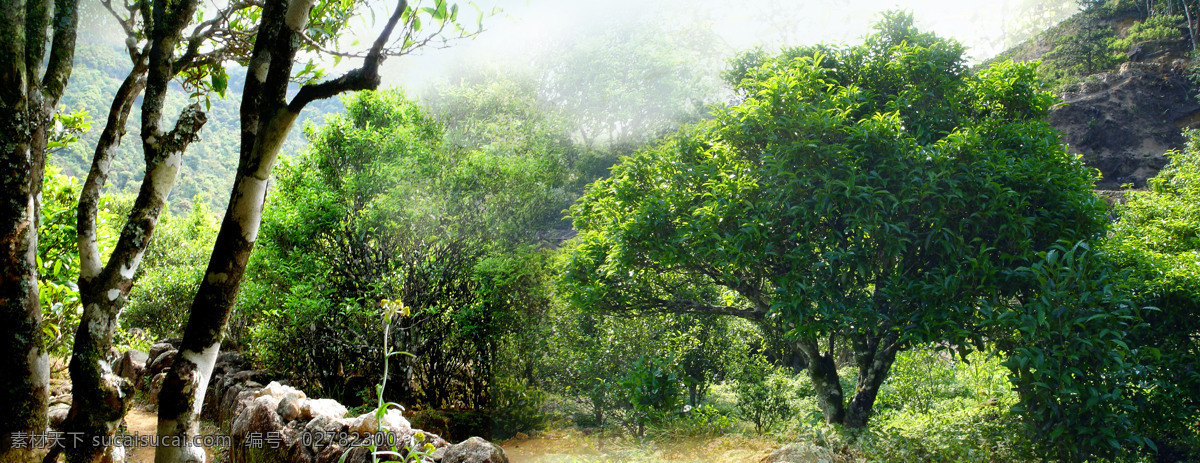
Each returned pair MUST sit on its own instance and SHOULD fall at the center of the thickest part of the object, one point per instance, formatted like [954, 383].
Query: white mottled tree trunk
[27, 101]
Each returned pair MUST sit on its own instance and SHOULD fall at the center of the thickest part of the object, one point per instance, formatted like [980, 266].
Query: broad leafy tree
[863, 198]
[1156, 239]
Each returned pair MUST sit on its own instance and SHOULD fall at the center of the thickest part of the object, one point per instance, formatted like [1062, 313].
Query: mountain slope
[1126, 87]
[208, 165]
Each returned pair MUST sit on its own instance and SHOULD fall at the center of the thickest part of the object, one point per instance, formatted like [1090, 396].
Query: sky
[527, 26]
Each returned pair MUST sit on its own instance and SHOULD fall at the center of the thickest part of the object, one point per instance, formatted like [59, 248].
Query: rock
[157, 349]
[114, 454]
[296, 451]
[323, 431]
[257, 434]
[289, 407]
[474, 450]
[155, 387]
[160, 363]
[233, 360]
[393, 421]
[237, 398]
[277, 390]
[313, 408]
[132, 364]
[57, 414]
[333, 454]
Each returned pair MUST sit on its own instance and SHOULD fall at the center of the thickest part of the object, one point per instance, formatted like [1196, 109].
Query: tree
[267, 115]
[160, 53]
[868, 198]
[1156, 240]
[32, 78]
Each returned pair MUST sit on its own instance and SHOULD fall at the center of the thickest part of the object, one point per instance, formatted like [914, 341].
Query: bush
[939, 406]
[702, 421]
[762, 391]
[1069, 358]
[1156, 242]
[651, 388]
[171, 269]
[516, 408]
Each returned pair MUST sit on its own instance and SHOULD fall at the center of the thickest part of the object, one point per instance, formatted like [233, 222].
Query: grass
[934, 407]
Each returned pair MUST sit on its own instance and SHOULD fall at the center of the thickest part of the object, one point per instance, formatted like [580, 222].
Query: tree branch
[363, 78]
[695, 307]
[89, 197]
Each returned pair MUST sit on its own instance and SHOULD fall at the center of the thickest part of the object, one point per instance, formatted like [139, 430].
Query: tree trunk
[27, 102]
[266, 119]
[100, 397]
[824, 375]
[874, 358]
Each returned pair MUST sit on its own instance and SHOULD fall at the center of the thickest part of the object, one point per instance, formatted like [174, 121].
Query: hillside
[1127, 85]
[208, 165]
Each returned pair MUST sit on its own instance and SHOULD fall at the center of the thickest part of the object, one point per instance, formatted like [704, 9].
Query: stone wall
[271, 422]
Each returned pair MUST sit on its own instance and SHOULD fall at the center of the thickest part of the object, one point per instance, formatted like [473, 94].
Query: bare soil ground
[572, 446]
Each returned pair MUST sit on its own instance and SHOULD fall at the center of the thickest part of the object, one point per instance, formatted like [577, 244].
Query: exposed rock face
[1122, 122]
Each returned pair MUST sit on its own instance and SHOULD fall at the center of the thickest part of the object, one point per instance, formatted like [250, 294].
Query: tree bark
[27, 101]
[874, 356]
[266, 119]
[828, 387]
[100, 397]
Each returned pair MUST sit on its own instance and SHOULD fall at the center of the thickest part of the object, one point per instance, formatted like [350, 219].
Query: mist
[531, 32]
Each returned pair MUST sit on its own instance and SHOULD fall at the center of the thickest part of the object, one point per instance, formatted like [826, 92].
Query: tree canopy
[874, 196]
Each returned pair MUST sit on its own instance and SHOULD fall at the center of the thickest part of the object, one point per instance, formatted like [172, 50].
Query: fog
[530, 30]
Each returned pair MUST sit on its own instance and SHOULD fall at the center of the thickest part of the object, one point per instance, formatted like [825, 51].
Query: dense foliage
[872, 249]
[1156, 240]
[864, 198]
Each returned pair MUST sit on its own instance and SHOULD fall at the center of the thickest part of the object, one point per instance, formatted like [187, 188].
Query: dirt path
[141, 422]
[555, 447]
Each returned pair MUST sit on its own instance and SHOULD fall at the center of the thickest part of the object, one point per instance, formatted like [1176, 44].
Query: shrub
[652, 390]
[762, 391]
[516, 407]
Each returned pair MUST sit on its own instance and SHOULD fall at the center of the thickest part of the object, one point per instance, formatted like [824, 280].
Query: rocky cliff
[1124, 120]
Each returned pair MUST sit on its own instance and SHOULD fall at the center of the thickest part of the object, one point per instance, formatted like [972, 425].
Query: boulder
[393, 421]
[289, 407]
[236, 399]
[114, 454]
[474, 450]
[132, 364]
[323, 431]
[313, 408]
[57, 414]
[155, 386]
[158, 348]
[257, 434]
[160, 363]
